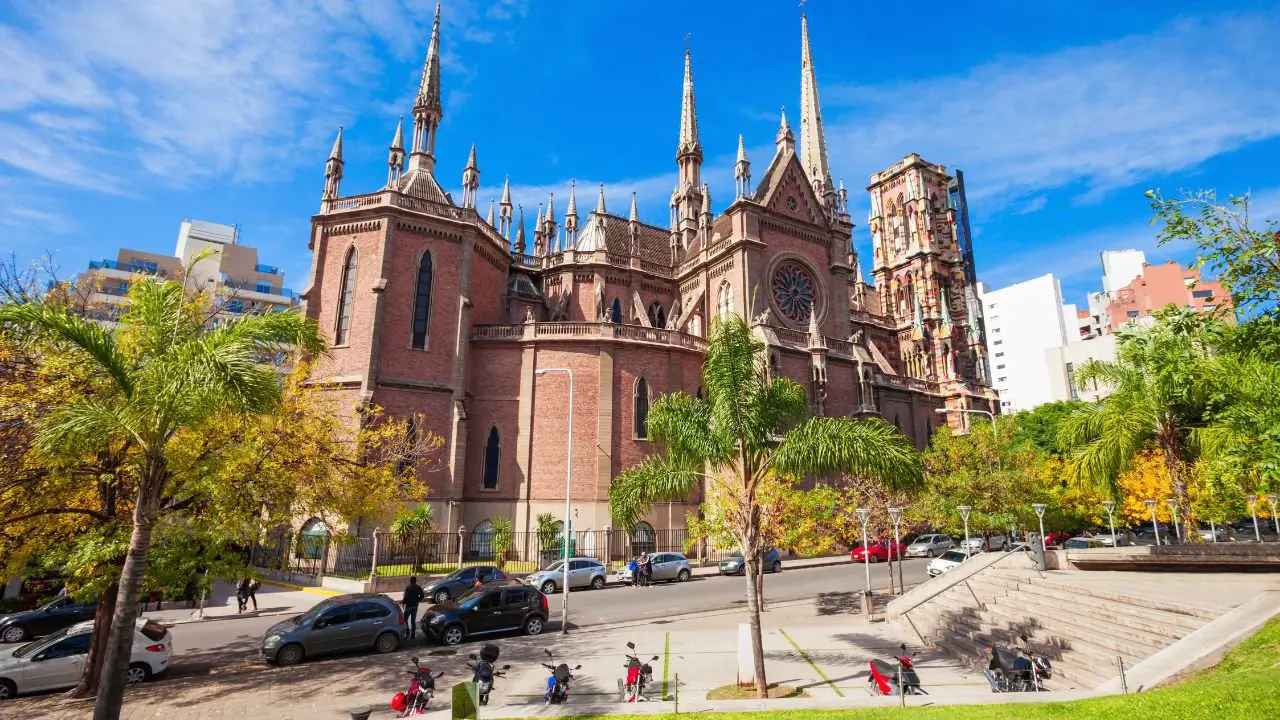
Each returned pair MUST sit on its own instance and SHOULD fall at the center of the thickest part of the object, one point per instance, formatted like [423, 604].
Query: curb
[238, 616]
[714, 570]
[303, 588]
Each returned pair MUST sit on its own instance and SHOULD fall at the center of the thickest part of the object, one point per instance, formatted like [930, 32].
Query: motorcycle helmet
[399, 702]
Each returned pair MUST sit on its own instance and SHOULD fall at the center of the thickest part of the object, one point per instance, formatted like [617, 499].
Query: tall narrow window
[642, 409]
[410, 441]
[615, 312]
[657, 315]
[346, 299]
[492, 453]
[422, 303]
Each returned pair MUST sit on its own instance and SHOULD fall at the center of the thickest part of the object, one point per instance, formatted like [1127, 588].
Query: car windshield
[923, 540]
[40, 644]
[555, 566]
[953, 556]
[54, 603]
[472, 595]
[313, 613]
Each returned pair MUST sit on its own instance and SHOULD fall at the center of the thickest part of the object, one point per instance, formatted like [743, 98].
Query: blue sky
[119, 119]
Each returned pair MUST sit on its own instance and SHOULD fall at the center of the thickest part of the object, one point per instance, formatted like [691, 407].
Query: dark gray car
[345, 623]
[459, 582]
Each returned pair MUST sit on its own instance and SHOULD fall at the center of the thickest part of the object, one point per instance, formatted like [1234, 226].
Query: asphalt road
[835, 585]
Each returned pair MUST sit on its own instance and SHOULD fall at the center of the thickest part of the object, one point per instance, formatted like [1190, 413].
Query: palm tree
[170, 370]
[749, 427]
[1160, 388]
[412, 526]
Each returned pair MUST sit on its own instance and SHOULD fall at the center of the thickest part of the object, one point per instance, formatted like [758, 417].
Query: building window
[346, 299]
[492, 453]
[642, 409]
[724, 301]
[657, 315]
[482, 541]
[235, 306]
[1188, 281]
[1202, 294]
[1071, 381]
[1210, 308]
[695, 324]
[422, 302]
[1003, 379]
[997, 342]
[264, 288]
[643, 539]
[311, 540]
[999, 367]
[1132, 313]
[1000, 354]
[410, 440]
[615, 312]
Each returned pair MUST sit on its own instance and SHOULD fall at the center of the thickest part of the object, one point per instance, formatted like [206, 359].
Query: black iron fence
[431, 553]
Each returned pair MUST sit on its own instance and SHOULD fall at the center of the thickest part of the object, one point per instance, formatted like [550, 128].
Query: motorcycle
[638, 676]
[422, 687]
[885, 679]
[558, 682]
[482, 672]
[1013, 672]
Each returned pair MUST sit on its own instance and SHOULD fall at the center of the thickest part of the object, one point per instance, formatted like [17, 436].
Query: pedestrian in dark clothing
[254, 586]
[242, 595]
[646, 569]
[413, 595]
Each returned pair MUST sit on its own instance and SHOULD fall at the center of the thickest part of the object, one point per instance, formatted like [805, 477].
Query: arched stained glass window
[492, 454]
[346, 299]
[615, 312]
[642, 409]
[422, 303]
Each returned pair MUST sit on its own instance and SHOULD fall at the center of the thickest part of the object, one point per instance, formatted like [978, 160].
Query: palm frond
[58, 322]
[652, 480]
[733, 377]
[680, 426]
[866, 448]
[1106, 436]
[86, 425]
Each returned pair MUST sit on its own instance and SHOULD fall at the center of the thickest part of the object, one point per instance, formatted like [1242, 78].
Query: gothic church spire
[427, 108]
[813, 145]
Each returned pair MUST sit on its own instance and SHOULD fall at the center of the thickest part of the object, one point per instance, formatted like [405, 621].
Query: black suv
[500, 606]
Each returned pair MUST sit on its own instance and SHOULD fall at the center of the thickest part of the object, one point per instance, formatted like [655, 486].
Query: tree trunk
[1171, 447]
[751, 555]
[758, 579]
[889, 564]
[98, 639]
[115, 664]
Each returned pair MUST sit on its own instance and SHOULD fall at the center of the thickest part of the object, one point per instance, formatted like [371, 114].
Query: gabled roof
[614, 236]
[421, 184]
[786, 172]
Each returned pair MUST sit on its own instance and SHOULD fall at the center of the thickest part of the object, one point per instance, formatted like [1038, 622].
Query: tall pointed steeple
[489, 217]
[519, 245]
[470, 180]
[504, 210]
[539, 235]
[571, 217]
[635, 213]
[333, 169]
[785, 140]
[742, 171]
[395, 155]
[688, 158]
[550, 224]
[689, 143]
[813, 145]
[427, 108]
[600, 202]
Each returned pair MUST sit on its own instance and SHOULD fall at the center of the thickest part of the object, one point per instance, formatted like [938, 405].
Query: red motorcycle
[422, 687]
[886, 679]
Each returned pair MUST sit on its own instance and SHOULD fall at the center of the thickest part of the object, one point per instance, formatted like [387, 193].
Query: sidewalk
[273, 599]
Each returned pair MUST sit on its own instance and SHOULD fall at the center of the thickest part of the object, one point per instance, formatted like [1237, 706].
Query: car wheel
[289, 655]
[386, 642]
[452, 635]
[533, 625]
[441, 596]
[874, 558]
[742, 570]
[777, 566]
[138, 673]
[548, 587]
[7, 690]
[929, 552]
[683, 576]
[14, 634]
[597, 582]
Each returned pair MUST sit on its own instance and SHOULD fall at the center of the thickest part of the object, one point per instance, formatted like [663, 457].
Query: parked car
[671, 567]
[996, 541]
[499, 606]
[735, 565]
[48, 618]
[57, 661]
[1056, 539]
[1210, 534]
[583, 573]
[460, 581]
[1122, 539]
[945, 562]
[1085, 543]
[878, 550]
[362, 621]
[929, 545]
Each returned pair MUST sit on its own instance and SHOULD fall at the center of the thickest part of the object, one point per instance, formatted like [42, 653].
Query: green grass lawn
[1246, 686]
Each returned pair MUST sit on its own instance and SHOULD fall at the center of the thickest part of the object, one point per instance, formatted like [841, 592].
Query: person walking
[646, 568]
[242, 595]
[413, 595]
[254, 587]
[634, 567]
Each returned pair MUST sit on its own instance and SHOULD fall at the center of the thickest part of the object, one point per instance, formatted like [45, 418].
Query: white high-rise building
[1023, 322]
[1120, 267]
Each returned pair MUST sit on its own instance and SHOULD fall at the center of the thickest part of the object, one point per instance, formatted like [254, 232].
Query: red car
[1056, 539]
[879, 550]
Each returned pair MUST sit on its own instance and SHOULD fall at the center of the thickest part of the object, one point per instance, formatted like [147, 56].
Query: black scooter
[559, 681]
[631, 689]
[482, 672]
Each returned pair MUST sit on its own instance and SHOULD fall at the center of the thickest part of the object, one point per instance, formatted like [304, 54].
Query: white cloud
[1103, 116]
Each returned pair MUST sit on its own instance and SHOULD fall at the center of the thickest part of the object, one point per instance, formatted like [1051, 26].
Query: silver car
[583, 573]
[929, 545]
[671, 566]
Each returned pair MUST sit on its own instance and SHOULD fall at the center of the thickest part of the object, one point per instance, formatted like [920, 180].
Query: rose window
[793, 291]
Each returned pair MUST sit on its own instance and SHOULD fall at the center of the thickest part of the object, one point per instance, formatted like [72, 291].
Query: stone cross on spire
[427, 108]
[813, 145]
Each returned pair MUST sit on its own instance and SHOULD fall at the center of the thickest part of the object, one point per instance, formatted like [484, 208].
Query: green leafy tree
[1040, 425]
[501, 540]
[1160, 394]
[749, 427]
[1245, 258]
[411, 527]
[170, 370]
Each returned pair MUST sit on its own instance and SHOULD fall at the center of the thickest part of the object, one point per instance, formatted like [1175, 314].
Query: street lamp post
[895, 514]
[1253, 510]
[1173, 510]
[964, 515]
[1040, 508]
[864, 515]
[1151, 505]
[1111, 519]
[568, 484]
[1275, 517]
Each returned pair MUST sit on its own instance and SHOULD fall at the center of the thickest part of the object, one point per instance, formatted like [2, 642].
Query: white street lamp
[1040, 508]
[1173, 510]
[1151, 505]
[1275, 517]
[895, 514]
[865, 516]
[568, 485]
[1111, 520]
[1253, 510]
[964, 515]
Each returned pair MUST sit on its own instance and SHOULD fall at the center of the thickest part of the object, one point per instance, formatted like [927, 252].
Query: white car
[974, 543]
[56, 661]
[945, 562]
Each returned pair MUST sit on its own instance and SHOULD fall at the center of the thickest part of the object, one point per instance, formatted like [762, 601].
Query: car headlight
[272, 641]
[436, 619]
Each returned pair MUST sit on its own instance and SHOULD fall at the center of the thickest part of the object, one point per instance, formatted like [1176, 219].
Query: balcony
[267, 269]
[132, 266]
[587, 331]
[259, 288]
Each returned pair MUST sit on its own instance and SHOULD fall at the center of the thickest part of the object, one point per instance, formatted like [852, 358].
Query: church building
[514, 339]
